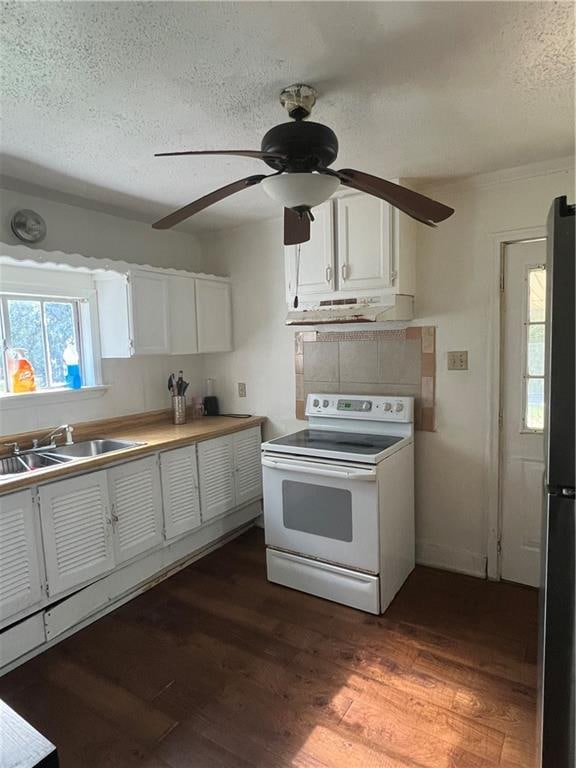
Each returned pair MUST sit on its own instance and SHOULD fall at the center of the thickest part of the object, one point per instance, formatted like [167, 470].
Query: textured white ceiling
[90, 91]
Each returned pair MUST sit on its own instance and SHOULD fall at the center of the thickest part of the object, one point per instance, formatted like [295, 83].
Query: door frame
[499, 241]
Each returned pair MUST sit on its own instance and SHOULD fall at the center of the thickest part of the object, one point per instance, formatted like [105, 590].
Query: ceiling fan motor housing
[307, 146]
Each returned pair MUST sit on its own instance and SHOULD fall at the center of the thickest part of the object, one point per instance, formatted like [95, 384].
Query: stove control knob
[399, 407]
[387, 406]
[325, 403]
[315, 403]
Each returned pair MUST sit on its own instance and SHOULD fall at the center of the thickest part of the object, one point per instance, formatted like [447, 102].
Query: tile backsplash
[394, 362]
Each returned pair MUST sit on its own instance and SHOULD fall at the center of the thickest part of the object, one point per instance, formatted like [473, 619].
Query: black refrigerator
[557, 713]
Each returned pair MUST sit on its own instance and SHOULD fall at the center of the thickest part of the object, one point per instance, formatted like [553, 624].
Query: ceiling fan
[301, 152]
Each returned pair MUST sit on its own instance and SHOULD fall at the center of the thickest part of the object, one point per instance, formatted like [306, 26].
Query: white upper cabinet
[180, 491]
[182, 312]
[365, 247]
[158, 312]
[359, 247]
[312, 272]
[20, 582]
[214, 315]
[76, 530]
[136, 507]
[150, 318]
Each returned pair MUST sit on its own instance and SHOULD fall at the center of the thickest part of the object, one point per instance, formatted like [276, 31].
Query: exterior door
[216, 469]
[136, 507]
[364, 243]
[522, 410]
[313, 272]
[76, 530]
[180, 491]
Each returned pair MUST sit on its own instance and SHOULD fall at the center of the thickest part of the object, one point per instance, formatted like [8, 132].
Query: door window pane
[536, 350]
[317, 509]
[535, 403]
[537, 295]
[25, 321]
[60, 329]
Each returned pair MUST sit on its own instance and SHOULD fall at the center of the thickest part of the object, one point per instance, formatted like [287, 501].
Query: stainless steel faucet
[49, 437]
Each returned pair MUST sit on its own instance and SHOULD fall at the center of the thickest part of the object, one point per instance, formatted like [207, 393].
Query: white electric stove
[339, 500]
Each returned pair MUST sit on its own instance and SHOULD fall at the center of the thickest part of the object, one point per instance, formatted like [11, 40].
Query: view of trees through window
[40, 328]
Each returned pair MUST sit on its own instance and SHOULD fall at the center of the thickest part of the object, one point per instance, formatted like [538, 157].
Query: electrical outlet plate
[241, 389]
[458, 361]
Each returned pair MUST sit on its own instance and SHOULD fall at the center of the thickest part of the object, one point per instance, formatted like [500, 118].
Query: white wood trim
[450, 559]
[9, 400]
[492, 451]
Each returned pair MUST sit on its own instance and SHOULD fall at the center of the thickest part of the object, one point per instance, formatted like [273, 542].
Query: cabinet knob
[344, 271]
[328, 274]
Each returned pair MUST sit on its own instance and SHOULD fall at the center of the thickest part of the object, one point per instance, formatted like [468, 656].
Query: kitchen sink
[16, 465]
[91, 448]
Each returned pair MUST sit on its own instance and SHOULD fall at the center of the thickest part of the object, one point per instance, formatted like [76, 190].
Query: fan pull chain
[297, 275]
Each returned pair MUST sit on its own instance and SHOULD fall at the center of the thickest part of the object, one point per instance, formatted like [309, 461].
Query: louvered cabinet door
[247, 452]
[20, 583]
[180, 493]
[216, 470]
[136, 507]
[77, 532]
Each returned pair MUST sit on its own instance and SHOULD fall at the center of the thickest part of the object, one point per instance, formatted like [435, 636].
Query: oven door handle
[366, 475]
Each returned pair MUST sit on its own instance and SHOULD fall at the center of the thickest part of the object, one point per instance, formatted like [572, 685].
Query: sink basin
[16, 465]
[91, 448]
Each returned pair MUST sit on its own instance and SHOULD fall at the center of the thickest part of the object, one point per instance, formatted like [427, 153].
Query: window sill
[26, 399]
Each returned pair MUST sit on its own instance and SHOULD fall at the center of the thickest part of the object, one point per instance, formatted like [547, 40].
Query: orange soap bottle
[22, 372]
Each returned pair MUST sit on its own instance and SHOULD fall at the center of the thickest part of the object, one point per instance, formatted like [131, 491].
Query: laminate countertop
[156, 434]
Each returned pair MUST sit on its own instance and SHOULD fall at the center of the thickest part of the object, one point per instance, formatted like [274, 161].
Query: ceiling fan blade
[239, 152]
[203, 202]
[417, 206]
[296, 227]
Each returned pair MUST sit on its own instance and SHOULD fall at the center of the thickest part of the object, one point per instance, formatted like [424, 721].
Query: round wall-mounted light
[300, 190]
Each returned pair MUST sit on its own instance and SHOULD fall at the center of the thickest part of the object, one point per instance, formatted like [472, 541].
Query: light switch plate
[241, 389]
[458, 361]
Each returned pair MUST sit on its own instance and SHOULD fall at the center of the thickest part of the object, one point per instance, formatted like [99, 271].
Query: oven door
[322, 510]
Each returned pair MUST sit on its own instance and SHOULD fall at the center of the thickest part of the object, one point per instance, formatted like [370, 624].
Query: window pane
[537, 296]
[25, 319]
[60, 329]
[535, 403]
[536, 350]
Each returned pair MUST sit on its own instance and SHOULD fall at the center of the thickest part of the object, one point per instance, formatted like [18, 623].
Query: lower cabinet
[216, 467]
[136, 507]
[180, 491]
[77, 531]
[20, 580]
[230, 472]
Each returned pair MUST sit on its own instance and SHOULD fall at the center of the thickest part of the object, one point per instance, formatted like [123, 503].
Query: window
[41, 327]
[535, 346]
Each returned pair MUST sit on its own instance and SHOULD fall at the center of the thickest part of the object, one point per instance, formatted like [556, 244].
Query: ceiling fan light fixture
[300, 190]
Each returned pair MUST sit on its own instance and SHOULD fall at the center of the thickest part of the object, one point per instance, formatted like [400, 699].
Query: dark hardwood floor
[217, 668]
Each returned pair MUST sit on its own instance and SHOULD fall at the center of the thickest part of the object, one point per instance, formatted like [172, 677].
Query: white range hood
[376, 309]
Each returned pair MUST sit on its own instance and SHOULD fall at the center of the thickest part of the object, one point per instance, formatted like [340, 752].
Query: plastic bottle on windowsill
[21, 371]
[72, 362]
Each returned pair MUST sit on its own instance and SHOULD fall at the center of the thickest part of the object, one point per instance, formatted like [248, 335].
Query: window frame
[5, 330]
[526, 376]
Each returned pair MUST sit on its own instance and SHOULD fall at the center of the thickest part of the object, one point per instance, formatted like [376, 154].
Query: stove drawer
[332, 582]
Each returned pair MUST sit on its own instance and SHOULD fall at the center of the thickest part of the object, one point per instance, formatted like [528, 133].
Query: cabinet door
[149, 311]
[315, 271]
[180, 492]
[20, 585]
[364, 243]
[182, 310]
[114, 315]
[76, 529]
[248, 459]
[214, 316]
[216, 470]
[136, 507]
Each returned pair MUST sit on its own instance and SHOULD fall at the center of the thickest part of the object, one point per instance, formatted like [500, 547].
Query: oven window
[317, 509]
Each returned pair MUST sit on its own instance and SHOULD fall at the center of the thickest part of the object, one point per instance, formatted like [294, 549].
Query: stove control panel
[376, 408]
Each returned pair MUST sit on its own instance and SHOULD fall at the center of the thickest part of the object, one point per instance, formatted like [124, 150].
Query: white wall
[455, 291]
[137, 384]
[99, 235]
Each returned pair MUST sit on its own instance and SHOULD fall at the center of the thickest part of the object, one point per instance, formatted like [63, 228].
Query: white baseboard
[449, 559]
